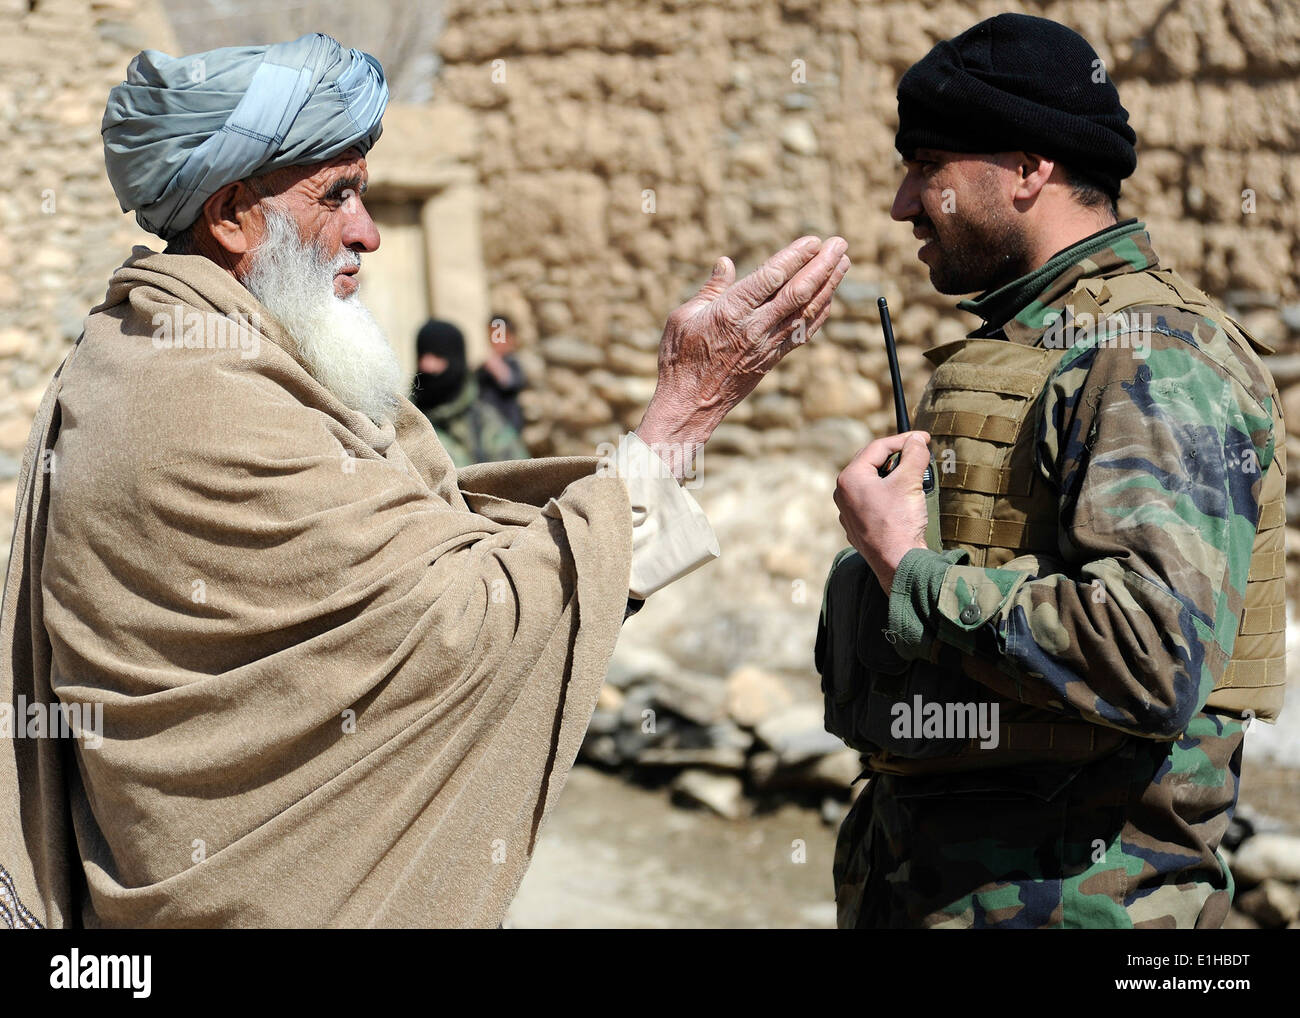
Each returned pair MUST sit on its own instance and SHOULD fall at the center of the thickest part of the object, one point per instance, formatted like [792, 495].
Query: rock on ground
[1268, 855]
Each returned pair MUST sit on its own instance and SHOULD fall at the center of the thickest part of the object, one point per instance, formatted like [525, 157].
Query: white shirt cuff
[671, 536]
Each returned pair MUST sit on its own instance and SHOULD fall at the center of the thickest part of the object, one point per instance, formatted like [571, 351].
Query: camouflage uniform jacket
[1157, 462]
[472, 430]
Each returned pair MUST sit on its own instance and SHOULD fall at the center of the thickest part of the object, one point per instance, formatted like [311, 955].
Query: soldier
[1110, 457]
[471, 428]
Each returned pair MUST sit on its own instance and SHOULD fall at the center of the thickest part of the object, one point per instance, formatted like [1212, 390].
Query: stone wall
[627, 145]
[61, 231]
[622, 147]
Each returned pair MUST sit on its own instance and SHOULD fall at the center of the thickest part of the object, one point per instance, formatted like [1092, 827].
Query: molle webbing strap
[978, 378]
[988, 533]
[1262, 619]
[1270, 565]
[1272, 514]
[986, 480]
[967, 424]
[1244, 674]
[980, 399]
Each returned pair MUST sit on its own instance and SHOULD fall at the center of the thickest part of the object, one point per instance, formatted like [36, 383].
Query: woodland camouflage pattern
[1158, 461]
[472, 430]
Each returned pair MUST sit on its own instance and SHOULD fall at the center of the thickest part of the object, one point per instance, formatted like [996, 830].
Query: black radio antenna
[901, 420]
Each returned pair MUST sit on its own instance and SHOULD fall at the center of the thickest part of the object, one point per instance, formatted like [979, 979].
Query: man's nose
[907, 202]
[359, 231]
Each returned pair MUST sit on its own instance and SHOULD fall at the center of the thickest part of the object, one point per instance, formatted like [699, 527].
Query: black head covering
[444, 340]
[1019, 83]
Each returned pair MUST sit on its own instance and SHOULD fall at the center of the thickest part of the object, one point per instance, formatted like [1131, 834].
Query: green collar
[1019, 305]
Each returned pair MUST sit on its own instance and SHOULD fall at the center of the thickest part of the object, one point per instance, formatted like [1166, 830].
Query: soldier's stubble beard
[978, 246]
[339, 340]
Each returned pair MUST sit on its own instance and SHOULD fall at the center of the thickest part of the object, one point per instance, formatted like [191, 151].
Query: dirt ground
[616, 855]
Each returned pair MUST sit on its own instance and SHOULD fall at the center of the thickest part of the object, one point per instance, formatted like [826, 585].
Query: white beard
[338, 338]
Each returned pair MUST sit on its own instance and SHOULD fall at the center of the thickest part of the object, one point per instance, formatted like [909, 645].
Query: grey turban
[181, 128]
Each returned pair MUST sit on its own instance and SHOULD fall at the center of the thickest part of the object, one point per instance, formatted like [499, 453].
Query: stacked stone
[757, 121]
[726, 743]
[1265, 862]
[628, 145]
[61, 231]
[625, 145]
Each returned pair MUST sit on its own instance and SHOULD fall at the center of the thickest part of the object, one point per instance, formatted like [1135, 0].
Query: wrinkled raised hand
[719, 344]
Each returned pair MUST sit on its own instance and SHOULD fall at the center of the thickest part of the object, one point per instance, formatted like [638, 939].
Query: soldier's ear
[1032, 174]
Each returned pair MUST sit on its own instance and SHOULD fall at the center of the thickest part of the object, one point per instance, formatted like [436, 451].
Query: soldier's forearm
[1100, 651]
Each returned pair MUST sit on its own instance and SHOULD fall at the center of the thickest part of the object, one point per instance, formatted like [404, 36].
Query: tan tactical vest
[979, 408]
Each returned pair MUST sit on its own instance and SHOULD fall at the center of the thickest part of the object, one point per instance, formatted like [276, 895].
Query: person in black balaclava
[470, 429]
[441, 365]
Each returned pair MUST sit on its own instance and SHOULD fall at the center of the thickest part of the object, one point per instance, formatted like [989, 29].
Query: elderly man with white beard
[340, 683]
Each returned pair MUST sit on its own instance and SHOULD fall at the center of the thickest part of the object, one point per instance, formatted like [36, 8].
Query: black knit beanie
[1019, 83]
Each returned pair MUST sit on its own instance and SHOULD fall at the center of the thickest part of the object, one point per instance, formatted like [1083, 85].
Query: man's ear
[1033, 173]
[232, 220]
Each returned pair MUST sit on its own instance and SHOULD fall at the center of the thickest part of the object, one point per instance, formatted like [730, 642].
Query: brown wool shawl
[341, 685]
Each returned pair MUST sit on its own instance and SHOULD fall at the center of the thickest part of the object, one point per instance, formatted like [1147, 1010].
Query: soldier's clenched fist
[885, 517]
